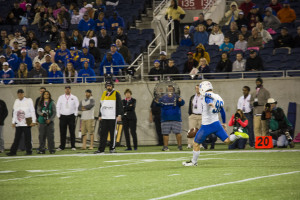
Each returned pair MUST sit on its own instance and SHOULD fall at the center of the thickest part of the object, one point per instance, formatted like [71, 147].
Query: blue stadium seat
[279, 51]
[296, 51]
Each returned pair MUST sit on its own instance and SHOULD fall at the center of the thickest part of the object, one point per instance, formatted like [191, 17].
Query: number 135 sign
[192, 4]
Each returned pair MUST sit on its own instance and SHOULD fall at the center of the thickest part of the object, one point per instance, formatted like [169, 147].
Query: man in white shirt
[23, 119]
[244, 105]
[66, 111]
[40, 57]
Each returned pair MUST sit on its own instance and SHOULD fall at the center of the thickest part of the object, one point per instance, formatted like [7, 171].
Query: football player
[212, 104]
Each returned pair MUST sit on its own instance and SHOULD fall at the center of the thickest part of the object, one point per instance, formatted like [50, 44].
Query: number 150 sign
[192, 4]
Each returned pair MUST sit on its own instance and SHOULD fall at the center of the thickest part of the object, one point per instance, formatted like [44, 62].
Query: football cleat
[241, 135]
[189, 164]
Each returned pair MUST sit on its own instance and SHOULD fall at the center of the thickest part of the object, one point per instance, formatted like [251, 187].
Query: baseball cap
[241, 13]
[156, 61]
[190, 53]
[5, 63]
[40, 50]
[113, 45]
[89, 91]
[73, 49]
[88, 6]
[186, 27]
[20, 91]
[28, 4]
[47, 55]
[268, 9]
[244, 26]
[23, 50]
[85, 47]
[2, 56]
[163, 53]
[102, 27]
[67, 87]
[271, 100]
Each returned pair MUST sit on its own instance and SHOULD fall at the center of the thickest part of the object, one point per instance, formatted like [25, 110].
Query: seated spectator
[117, 59]
[284, 39]
[6, 73]
[15, 49]
[45, 23]
[101, 22]
[87, 71]
[216, 37]
[241, 20]
[104, 41]
[85, 56]
[33, 52]
[255, 40]
[11, 19]
[61, 54]
[71, 9]
[233, 33]
[29, 13]
[62, 22]
[297, 38]
[270, 20]
[91, 11]
[172, 69]
[200, 36]
[200, 20]
[224, 65]
[20, 39]
[190, 63]
[18, 12]
[70, 74]
[187, 38]
[90, 35]
[278, 125]
[156, 70]
[55, 73]
[73, 58]
[201, 53]
[121, 36]
[241, 44]
[203, 66]
[63, 38]
[246, 6]
[163, 61]
[124, 51]
[3, 35]
[245, 32]
[226, 46]
[54, 35]
[254, 62]
[76, 17]
[24, 58]
[46, 65]
[76, 39]
[11, 38]
[232, 14]
[116, 21]
[275, 5]
[31, 37]
[99, 6]
[94, 51]
[253, 17]
[286, 15]
[37, 72]
[12, 59]
[22, 73]
[210, 25]
[266, 37]
[106, 66]
[40, 57]
[239, 123]
[48, 50]
[86, 23]
[240, 64]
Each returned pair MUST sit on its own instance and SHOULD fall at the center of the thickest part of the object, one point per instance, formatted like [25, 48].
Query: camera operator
[239, 123]
[46, 110]
[278, 124]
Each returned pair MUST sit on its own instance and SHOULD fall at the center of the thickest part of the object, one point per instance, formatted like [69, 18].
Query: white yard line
[119, 176]
[222, 184]
[174, 175]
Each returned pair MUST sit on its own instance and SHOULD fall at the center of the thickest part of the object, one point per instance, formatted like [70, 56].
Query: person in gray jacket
[270, 20]
[46, 110]
[240, 64]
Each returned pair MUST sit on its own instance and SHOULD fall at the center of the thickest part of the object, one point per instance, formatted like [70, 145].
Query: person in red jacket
[246, 6]
[239, 123]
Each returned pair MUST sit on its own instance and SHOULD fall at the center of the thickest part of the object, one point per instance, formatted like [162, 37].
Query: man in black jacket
[121, 36]
[190, 63]
[95, 52]
[284, 39]
[172, 69]
[3, 115]
[254, 62]
[104, 40]
[156, 70]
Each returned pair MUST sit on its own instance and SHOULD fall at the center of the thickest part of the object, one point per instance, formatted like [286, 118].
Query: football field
[152, 174]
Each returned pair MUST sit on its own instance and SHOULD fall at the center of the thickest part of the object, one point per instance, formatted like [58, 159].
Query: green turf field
[152, 174]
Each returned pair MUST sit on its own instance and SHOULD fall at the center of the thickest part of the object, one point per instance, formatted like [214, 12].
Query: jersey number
[218, 106]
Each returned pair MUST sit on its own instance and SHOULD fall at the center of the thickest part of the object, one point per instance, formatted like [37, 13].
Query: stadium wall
[284, 90]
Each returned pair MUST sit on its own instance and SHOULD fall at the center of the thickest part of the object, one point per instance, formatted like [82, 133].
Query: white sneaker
[189, 146]
[58, 149]
[73, 149]
[189, 164]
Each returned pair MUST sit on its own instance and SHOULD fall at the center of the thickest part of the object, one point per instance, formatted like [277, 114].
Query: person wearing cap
[55, 73]
[33, 51]
[187, 38]
[67, 111]
[246, 6]
[85, 73]
[85, 56]
[110, 113]
[23, 119]
[284, 39]
[61, 54]
[278, 125]
[104, 41]
[24, 58]
[253, 17]
[124, 51]
[90, 10]
[29, 13]
[40, 57]
[6, 73]
[255, 41]
[12, 59]
[115, 21]
[156, 70]
[286, 14]
[258, 99]
[245, 32]
[163, 60]
[200, 36]
[232, 14]
[101, 22]
[90, 35]
[254, 62]
[270, 20]
[46, 110]
[3, 115]
[47, 63]
[190, 63]
[95, 51]
[86, 23]
[20, 39]
[121, 36]
[87, 108]
[16, 49]
[241, 20]
[37, 72]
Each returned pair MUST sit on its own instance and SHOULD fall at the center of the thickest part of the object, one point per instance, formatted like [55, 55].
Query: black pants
[27, 135]
[212, 138]
[176, 32]
[107, 125]
[158, 130]
[64, 122]
[130, 124]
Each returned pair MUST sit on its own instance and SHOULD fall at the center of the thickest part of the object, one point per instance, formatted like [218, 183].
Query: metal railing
[161, 5]
[150, 52]
[140, 66]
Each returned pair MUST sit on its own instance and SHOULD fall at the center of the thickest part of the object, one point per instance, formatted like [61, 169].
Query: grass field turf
[142, 175]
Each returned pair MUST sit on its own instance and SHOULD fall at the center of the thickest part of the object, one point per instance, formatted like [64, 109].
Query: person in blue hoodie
[24, 58]
[61, 54]
[171, 121]
[116, 21]
[86, 23]
[107, 63]
[117, 59]
[200, 36]
[73, 58]
[101, 22]
[12, 59]
[6, 73]
[87, 71]
[55, 72]
[187, 38]
[46, 65]
[86, 56]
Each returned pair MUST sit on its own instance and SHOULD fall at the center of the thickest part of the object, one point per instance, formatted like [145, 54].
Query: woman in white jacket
[263, 33]
[216, 37]
[90, 35]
